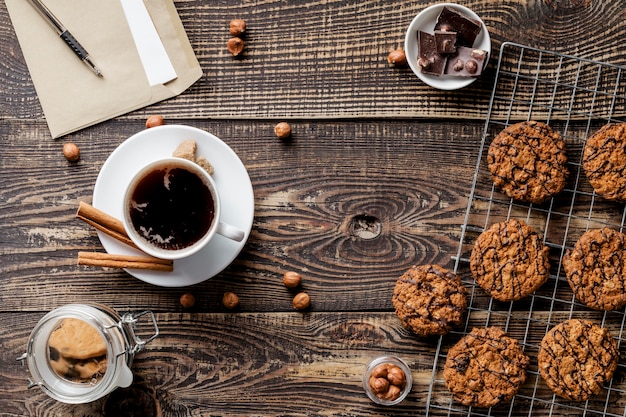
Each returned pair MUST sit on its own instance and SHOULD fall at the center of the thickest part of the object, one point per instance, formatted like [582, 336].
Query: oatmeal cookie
[604, 161]
[485, 368]
[77, 339]
[429, 300]
[596, 269]
[509, 260]
[576, 358]
[528, 162]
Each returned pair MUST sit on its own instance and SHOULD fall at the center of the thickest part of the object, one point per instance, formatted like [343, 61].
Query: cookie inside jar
[77, 351]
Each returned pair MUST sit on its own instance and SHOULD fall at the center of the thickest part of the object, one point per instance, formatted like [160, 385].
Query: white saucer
[425, 21]
[231, 178]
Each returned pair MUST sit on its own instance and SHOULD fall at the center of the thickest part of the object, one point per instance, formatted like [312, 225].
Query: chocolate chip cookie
[528, 162]
[596, 269]
[576, 358]
[604, 161]
[509, 260]
[430, 300]
[485, 368]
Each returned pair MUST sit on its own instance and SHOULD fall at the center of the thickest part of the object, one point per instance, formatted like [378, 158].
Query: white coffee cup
[172, 209]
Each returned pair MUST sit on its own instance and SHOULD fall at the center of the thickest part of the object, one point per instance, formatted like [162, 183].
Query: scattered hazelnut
[292, 279]
[187, 300]
[237, 27]
[235, 46]
[71, 152]
[471, 66]
[301, 301]
[396, 376]
[379, 385]
[397, 57]
[230, 300]
[282, 130]
[153, 121]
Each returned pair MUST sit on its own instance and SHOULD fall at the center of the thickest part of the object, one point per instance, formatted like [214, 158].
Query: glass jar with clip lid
[79, 353]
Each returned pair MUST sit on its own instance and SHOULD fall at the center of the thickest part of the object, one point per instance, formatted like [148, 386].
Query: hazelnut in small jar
[387, 380]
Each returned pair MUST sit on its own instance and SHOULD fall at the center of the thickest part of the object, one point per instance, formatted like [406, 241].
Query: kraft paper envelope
[71, 95]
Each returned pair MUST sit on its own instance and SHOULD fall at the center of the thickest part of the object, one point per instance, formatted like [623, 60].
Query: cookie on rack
[604, 161]
[528, 162]
[509, 260]
[576, 358]
[430, 300]
[596, 269]
[485, 367]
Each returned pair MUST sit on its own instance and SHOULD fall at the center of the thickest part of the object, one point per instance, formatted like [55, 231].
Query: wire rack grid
[575, 97]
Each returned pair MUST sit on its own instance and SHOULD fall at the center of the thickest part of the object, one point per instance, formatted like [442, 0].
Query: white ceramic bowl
[425, 21]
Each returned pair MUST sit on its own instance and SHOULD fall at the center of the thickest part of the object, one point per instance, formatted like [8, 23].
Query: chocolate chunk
[429, 61]
[445, 41]
[466, 62]
[467, 28]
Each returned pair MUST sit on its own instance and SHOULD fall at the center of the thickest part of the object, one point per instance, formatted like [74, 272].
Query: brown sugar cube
[186, 150]
[205, 164]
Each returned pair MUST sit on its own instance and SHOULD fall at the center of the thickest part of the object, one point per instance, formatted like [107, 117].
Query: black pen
[66, 36]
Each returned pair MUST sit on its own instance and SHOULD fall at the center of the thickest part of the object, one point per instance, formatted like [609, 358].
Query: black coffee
[171, 207]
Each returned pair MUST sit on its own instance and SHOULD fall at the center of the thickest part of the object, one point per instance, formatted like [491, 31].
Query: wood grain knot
[365, 227]
[134, 401]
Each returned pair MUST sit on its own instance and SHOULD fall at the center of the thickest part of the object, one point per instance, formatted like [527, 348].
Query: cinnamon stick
[107, 260]
[104, 222]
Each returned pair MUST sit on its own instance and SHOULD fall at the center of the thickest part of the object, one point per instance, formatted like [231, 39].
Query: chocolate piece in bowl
[467, 29]
[466, 62]
[445, 41]
[429, 62]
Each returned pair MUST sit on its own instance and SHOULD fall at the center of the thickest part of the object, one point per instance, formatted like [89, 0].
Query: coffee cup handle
[230, 232]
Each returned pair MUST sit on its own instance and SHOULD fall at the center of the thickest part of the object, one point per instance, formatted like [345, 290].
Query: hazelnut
[282, 130]
[396, 376]
[444, 27]
[478, 54]
[380, 386]
[237, 27]
[380, 371]
[392, 393]
[71, 152]
[301, 301]
[230, 300]
[153, 121]
[235, 46]
[292, 279]
[471, 66]
[187, 300]
[424, 63]
[397, 57]
[458, 65]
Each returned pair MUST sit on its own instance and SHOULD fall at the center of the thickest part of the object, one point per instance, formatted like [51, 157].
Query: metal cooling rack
[575, 97]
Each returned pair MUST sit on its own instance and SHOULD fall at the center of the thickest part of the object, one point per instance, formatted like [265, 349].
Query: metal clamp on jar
[79, 353]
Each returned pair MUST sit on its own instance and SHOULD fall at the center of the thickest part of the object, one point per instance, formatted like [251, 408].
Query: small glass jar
[119, 338]
[378, 369]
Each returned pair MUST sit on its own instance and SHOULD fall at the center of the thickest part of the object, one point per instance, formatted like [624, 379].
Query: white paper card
[156, 62]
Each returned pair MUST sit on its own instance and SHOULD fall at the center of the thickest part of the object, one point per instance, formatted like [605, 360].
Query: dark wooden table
[375, 179]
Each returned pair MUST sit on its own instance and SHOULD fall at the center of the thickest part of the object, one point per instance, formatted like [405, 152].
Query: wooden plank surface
[376, 178]
[300, 53]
